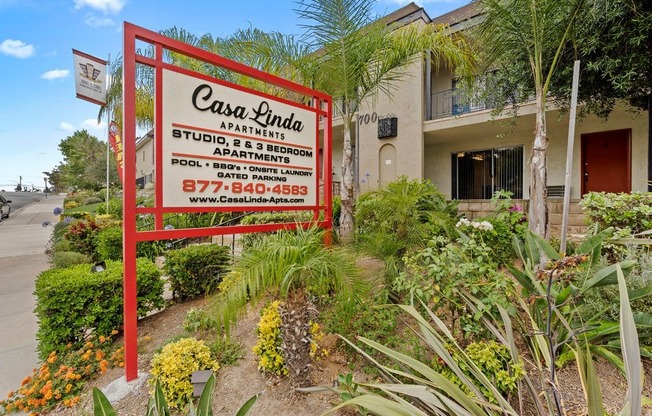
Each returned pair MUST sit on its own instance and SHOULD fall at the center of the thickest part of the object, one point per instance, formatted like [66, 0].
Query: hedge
[196, 270]
[73, 303]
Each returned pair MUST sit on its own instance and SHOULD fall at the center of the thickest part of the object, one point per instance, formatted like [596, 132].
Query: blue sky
[38, 107]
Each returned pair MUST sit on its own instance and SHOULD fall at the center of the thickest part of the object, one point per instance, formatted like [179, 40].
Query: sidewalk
[23, 240]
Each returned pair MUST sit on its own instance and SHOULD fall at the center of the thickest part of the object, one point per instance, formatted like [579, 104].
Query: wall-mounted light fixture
[387, 126]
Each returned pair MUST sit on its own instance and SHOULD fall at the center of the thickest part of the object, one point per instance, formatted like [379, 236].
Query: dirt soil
[236, 384]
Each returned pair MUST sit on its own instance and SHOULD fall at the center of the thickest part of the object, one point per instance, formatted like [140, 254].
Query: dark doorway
[606, 161]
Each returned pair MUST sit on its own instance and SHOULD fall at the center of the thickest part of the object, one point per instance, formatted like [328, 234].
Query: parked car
[5, 208]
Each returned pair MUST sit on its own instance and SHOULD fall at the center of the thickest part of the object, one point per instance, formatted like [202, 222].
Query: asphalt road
[21, 199]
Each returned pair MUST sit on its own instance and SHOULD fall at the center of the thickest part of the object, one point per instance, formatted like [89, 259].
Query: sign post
[219, 147]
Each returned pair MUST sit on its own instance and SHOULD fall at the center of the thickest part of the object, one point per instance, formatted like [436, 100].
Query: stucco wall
[456, 135]
[406, 103]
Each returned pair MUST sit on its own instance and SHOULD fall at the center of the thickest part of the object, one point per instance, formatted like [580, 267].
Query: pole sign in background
[230, 147]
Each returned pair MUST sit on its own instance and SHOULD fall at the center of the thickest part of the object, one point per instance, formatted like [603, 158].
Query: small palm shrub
[288, 261]
[248, 240]
[406, 210]
[288, 339]
[174, 365]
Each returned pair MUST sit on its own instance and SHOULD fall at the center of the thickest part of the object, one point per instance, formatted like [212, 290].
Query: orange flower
[102, 339]
[114, 332]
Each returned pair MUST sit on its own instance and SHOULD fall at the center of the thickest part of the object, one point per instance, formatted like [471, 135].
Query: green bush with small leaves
[495, 362]
[115, 208]
[109, 243]
[196, 270]
[74, 303]
[63, 259]
[445, 270]
[632, 211]
[174, 365]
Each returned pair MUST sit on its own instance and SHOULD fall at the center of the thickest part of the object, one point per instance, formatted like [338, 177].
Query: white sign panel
[90, 77]
[224, 146]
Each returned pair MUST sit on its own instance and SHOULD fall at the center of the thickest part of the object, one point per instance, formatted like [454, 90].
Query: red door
[606, 161]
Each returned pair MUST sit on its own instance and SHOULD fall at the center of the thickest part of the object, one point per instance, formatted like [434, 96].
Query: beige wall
[456, 135]
[145, 158]
[407, 104]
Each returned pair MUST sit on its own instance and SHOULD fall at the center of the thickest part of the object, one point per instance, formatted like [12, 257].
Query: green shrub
[632, 211]
[493, 360]
[63, 259]
[115, 208]
[174, 365]
[61, 245]
[60, 230]
[248, 240]
[74, 303]
[439, 274]
[109, 243]
[81, 235]
[198, 320]
[494, 232]
[92, 200]
[150, 249]
[227, 351]
[196, 270]
[406, 210]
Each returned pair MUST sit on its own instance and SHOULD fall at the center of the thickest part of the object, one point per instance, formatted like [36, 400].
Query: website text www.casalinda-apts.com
[244, 200]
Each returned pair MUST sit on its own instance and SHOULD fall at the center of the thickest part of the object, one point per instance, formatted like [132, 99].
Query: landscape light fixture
[100, 266]
[198, 380]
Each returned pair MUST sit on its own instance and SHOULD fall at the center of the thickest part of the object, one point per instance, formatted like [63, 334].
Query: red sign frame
[320, 106]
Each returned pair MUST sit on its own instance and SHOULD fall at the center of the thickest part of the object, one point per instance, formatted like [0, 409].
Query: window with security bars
[479, 174]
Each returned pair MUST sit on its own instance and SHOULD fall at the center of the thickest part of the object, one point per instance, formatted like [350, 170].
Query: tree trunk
[538, 212]
[346, 187]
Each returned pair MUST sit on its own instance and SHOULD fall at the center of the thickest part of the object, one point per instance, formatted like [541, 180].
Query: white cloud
[16, 48]
[106, 6]
[56, 73]
[66, 126]
[91, 123]
[94, 21]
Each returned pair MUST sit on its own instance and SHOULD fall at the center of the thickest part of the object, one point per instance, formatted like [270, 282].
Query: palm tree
[529, 36]
[355, 56]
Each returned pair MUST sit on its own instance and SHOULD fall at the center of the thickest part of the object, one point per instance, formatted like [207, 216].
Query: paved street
[23, 241]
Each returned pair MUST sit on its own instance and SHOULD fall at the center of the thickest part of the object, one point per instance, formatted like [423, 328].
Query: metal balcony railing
[457, 101]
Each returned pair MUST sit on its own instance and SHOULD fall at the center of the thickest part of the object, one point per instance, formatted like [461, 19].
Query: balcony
[457, 101]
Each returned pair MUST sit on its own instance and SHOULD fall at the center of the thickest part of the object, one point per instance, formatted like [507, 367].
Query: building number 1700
[200, 185]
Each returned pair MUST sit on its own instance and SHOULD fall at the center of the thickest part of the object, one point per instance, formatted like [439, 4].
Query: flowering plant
[61, 377]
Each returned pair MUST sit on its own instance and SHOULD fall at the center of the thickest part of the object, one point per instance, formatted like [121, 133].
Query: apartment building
[430, 128]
